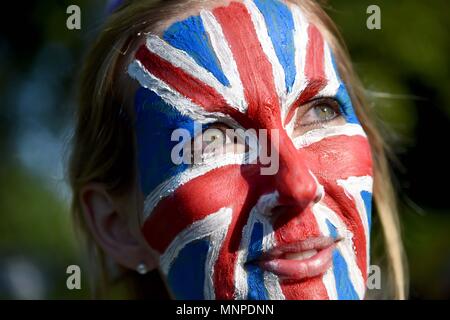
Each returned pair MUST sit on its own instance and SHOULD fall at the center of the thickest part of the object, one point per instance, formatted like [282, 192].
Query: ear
[112, 230]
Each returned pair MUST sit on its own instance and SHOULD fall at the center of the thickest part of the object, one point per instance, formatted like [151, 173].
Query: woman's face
[292, 225]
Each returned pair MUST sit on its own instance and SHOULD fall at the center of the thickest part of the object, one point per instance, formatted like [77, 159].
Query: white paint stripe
[267, 46]
[225, 57]
[169, 186]
[271, 281]
[185, 106]
[216, 241]
[329, 282]
[182, 60]
[353, 187]
[328, 278]
[300, 43]
[316, 135]
[258, 214]
[333, 82]
[213, 223]
[345, 246]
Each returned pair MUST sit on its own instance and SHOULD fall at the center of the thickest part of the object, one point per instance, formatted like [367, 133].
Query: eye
[318, 112]
[216, 140]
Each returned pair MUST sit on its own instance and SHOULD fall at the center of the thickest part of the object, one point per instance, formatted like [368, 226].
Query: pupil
[325, 112]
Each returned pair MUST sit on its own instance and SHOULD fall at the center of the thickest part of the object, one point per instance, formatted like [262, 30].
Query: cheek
[233, 187]
[339, 158]
[214, 190]
[343, 166]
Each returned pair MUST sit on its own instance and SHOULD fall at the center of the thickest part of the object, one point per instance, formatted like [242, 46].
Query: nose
[294, 181]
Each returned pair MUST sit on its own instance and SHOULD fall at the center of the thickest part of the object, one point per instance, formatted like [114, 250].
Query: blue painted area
[344, 286]
[343, 98]
[186, 277]
[190, 36]
[367, 198]
[255, 276]
[332, 229]
[155, 122]
[345, 102]
[280, 25]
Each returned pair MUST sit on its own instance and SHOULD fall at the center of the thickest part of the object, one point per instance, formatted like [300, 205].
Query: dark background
[405, 67]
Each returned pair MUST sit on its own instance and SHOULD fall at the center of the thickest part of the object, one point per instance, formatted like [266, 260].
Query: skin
[302, 181]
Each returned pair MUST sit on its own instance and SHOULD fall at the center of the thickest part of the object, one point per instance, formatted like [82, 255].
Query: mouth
[299, 260]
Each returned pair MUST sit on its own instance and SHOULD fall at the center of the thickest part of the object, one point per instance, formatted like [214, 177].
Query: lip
[300, 260]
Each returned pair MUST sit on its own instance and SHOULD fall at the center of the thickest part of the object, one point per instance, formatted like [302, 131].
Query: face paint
[221, 228]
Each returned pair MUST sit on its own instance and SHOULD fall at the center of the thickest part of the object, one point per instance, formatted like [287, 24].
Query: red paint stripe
[224, 269]
[182, 209]
[314, 70]
[338, 157]
[254, 67]
[188, 86]
[352, 221]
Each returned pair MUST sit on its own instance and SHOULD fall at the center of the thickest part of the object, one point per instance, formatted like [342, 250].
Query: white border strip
[258, 214]
[333, 82]
[345, 246]
[353, 187]
[170, 185]
[267, 46]
[301, 45]
[182, 60]
[225, 57]
[316, 135]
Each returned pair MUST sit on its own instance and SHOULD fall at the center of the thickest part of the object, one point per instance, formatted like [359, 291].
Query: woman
[172, 94]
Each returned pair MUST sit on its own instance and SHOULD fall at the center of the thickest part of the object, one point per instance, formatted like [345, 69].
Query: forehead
[231, 59]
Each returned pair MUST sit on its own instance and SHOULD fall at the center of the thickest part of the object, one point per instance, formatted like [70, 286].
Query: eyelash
[332, 103]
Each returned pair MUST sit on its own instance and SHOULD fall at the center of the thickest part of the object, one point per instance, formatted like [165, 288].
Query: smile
[299, 260]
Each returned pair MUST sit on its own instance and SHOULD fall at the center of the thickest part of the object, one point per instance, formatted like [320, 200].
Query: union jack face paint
[222, 229]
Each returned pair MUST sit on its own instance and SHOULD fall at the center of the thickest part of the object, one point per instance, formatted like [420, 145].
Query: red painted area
[254, 67]
[239, 187]
[188, 86]
[314, 70]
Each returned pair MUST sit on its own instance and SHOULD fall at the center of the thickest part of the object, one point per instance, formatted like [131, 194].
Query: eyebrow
[311, 90]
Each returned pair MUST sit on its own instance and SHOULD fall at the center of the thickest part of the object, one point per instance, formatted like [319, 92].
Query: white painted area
[316, 135]
[225, 57]
[211, 224]
[345, 247]
[185, 106]
[333, 84]
[267, 46]
[353, 187]
[216, 241]
[300, 43]
[258, 214]
[182, 60]
[170, 185]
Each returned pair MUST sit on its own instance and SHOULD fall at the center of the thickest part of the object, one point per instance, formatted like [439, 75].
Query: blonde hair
[104, 142]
